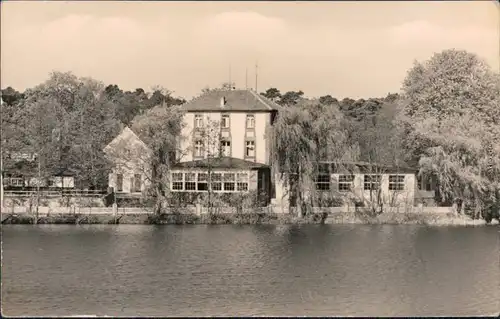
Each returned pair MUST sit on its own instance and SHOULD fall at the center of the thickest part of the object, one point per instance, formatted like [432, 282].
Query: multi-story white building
[224, 138]
[225, 147]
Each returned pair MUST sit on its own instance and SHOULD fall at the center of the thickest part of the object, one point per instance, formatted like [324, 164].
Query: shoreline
[244, 219]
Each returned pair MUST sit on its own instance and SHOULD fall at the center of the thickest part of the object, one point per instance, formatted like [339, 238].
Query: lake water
[202, 270]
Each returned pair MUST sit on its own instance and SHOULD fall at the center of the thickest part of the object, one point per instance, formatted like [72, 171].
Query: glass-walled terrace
[216, 181]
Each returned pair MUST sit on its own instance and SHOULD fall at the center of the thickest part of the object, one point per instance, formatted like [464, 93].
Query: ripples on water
[319, 270]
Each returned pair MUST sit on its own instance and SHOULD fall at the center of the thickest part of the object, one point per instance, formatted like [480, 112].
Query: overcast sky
[346, 49]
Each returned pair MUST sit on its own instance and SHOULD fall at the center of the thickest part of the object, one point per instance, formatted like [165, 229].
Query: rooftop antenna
[230, 84]
[246, 85]
[246, 78]
[256, 74]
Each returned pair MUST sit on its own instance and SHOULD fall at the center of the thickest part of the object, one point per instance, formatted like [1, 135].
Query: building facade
[225, 147]
[129, 156]
[365, 184]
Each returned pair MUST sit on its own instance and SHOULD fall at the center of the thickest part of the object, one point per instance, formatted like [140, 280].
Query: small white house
[129, 155]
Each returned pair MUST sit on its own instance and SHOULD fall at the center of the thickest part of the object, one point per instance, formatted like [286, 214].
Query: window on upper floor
[250, 149]
[225, 148]
[224, 123]
[250, 121]
[198, 121]
[198, 148]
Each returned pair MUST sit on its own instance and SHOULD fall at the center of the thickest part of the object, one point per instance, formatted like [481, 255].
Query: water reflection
[319, 270]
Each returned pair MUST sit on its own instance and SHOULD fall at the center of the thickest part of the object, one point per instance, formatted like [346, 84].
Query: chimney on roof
[223, 101]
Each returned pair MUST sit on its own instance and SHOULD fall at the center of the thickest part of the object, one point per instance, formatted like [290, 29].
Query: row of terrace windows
[200, 182]
[370, 182]
[225, 121]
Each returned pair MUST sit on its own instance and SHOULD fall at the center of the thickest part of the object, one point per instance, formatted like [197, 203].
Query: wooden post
[1, 161]
[37, 191]
[115, 211]
[1, 179]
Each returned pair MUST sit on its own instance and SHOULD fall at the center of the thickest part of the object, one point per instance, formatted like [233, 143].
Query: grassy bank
[164, 219]
[394, 218]
[247, 218]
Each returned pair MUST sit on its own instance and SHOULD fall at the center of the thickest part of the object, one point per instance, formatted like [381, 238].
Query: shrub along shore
[246, 218]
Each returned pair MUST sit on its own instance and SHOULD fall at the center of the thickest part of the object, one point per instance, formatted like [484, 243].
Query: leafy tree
[12, 102]
[11, 97]
[160, 128]
[93, 126]
[452, 120]
[129, 104]
[302, 136]
[112, 91]
[273, 94]
[291, 98]
[62, 87]
[67, 123]
[392, 97]
[210, 135]
[328, 100]
[157, 98]
[38, 132]
[378, 136]
[162, 96]
[225, 86]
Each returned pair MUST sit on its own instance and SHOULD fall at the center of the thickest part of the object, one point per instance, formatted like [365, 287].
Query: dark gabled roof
[236, 100]
[365, 168]
[220, 163]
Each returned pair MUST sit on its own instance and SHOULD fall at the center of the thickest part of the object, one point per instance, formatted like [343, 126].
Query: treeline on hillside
[68, 120]
[446, 120]
[357, 109]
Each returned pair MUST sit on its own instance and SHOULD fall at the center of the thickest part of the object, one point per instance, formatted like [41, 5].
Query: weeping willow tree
[160, 128]
[452, 117]
[301, 138]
